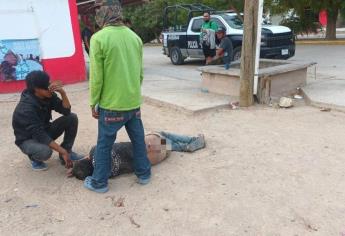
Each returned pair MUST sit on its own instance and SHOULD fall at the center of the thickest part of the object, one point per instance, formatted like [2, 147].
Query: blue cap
[221, 29]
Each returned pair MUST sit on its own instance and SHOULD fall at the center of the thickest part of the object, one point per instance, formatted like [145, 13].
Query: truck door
[193, 38]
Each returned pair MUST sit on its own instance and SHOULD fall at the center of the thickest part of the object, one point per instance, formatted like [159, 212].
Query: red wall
[68, 69]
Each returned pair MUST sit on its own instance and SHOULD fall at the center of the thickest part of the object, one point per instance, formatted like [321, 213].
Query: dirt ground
[264, 172]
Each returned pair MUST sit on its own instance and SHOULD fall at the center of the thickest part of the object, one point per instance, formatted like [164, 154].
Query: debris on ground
[59, 219]
[234, 105]
[297, 96]
[285, 102]
[120, 202]
[133, 222]
[325, 109]
[274, 105]
[31, 206]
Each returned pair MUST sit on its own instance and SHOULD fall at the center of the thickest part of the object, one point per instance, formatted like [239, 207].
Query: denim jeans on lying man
[183, 143]
[109, 123]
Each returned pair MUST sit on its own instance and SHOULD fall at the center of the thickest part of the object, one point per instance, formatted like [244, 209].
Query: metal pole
[258, 45]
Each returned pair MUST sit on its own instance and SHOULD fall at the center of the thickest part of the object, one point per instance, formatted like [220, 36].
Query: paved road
[158, 65]
[330, 61]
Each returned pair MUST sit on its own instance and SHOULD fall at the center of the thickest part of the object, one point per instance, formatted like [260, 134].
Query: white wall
[49, 22]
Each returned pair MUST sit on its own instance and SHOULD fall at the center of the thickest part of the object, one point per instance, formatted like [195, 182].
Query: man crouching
[31, 121]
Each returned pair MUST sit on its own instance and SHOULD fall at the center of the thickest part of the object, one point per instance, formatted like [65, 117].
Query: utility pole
[248, 55]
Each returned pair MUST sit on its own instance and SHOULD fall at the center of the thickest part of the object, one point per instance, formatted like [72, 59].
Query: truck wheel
[176, 56]
[236, 55]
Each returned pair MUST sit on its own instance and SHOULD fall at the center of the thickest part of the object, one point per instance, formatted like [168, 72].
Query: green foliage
[147, 19]
[300, 25]
[304, 22]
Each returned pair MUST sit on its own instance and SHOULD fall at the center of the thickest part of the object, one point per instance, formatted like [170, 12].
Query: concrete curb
[159, 103]
[320, 105]
[320, 42]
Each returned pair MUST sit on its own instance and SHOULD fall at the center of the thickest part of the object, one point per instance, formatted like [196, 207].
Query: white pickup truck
[183, 41]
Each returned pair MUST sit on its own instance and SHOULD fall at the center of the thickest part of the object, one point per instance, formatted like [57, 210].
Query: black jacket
[31, 117]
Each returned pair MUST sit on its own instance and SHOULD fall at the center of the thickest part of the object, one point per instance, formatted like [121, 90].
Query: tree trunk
[332, 16]
[248, 53]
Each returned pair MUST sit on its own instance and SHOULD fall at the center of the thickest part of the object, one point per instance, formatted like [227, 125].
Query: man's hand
[68, 162]
[63, 153]
[56, 86]
[95, 113]
[69, 173]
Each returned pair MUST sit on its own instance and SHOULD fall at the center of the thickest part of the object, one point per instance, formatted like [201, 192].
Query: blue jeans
[178, 143]
[67, 125]
[109, 123]
[227, 62]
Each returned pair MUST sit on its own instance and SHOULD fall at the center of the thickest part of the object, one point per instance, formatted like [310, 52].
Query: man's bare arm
[65, 155]
[57, 86]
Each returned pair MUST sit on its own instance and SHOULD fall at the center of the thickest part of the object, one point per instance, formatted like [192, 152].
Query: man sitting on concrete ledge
[31, 121]
[158, 146]
[224, 51]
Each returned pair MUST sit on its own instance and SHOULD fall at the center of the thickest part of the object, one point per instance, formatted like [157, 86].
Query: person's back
[117, 53]
[115, 81]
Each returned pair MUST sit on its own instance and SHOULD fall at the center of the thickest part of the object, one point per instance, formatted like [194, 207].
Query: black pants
[67, 125]
[208, 52]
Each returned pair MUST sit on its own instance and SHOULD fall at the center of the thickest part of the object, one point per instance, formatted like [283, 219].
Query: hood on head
[109, 13]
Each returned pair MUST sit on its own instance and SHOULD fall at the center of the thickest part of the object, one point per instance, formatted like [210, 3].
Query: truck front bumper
[281, 52]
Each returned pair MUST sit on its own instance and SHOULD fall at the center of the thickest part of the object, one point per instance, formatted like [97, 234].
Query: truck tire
[236, 54]
[176, 56]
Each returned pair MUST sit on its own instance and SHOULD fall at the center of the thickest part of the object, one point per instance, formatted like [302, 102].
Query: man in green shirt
[207, 37]
[116, 74]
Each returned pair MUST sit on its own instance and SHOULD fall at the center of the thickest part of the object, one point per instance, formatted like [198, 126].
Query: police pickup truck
[183, 41]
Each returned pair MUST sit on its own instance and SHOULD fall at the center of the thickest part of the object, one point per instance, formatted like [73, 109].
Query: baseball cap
[221, 29]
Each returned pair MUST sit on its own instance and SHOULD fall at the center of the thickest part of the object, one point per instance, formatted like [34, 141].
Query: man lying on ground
[158, 146]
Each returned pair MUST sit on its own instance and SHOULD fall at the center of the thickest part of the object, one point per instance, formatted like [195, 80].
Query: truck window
[176, 20]
[219, 23]
[233, 21]
[181, 20]
[197, 23]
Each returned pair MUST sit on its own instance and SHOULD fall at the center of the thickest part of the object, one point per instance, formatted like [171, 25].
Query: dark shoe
[73, 156]
[39, 166]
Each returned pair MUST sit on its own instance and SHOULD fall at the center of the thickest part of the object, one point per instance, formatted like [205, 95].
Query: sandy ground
[264, 172]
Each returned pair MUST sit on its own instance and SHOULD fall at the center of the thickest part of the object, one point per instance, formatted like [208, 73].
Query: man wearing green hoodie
[208, 29]
[116, 74]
